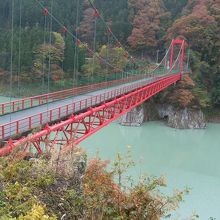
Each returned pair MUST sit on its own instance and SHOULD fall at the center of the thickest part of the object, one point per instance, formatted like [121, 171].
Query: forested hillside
[142, 26]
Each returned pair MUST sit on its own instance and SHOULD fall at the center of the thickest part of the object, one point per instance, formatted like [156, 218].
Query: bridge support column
[182, 45]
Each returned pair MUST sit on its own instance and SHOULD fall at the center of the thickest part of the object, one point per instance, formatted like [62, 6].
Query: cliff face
[182, 118]
[134, 118]
[185, 118]
[143, 113]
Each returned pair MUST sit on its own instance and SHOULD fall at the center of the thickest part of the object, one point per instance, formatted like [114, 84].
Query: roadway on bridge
[47, 107]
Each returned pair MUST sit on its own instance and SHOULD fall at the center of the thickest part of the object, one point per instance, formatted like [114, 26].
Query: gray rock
[182, 118]
[134, 118]
[186, 118]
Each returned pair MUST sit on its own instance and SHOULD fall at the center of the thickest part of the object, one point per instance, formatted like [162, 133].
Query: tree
[215, 92]
[146, 23]
[200, 26]
[48, 58]
[186, 94]
[182, 95]
[196, 26]
[175, 7]
[116, 14]
[86, 28]
[62, 186]
[109, 60]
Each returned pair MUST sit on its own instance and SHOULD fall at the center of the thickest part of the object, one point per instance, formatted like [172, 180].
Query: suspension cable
[90, 50]
[109, 29]
[161, 60]
[77, 39]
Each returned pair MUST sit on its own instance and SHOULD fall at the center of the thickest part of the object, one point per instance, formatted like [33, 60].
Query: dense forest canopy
[142, 26]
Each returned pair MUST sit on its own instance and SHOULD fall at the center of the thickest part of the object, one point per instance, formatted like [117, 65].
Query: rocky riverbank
[181, 118]
[186, 118]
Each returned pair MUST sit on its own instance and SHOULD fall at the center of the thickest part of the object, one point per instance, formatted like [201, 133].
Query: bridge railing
[38, 120]
[29, 102]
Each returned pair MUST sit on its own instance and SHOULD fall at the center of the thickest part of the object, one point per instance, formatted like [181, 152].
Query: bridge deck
[30, 102]
[26, 120]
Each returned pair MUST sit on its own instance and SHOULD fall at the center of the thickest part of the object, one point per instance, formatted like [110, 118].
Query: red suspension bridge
[39, 123]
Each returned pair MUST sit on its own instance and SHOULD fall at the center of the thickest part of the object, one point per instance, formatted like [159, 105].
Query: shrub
[59, 187]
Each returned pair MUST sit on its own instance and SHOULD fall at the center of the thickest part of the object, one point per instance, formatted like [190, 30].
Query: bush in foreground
[62, 187]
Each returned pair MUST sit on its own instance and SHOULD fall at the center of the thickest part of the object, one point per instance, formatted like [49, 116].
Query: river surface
[187, 158]
[5, 99]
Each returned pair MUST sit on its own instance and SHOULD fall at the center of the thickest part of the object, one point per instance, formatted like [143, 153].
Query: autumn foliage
[60, 187]
[86, 28]
[200, 15]
[48, 57]
[146, 22]
[185, 94]
[105, 199]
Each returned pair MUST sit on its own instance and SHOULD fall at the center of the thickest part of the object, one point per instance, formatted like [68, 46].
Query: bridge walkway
[28, 119]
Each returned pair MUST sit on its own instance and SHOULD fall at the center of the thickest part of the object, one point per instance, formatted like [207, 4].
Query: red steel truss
[78, 127]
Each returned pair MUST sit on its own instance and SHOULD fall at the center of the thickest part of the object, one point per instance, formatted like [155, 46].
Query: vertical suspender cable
[107, 26]
[76, 58]
[108, 50]
[94, 48]
[49, 65]
[77, 39]
[165, 63]
[188, 58]
[19, 48]
[12, 48]
[44, 45]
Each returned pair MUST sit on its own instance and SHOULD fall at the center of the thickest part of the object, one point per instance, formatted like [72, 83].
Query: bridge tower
[182, 45]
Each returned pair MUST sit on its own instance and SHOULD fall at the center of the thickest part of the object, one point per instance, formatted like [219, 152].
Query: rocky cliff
[186, 118]
[134, 118]
[182, 118]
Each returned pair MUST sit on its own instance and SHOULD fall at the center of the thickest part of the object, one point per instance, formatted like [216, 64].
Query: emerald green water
[186, 157]
[5, 99]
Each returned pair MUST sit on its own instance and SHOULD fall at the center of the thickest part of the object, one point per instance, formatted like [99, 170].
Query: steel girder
[77, 128]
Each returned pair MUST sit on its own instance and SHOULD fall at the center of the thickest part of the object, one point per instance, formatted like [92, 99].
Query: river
[187, 158]
[5, 99]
